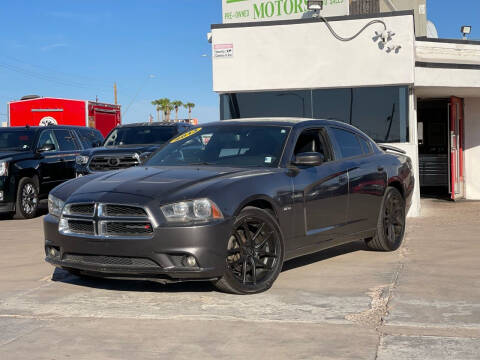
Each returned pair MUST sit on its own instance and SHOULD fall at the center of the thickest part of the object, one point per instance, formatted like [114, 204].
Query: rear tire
[391, 223]
[255, 253]
[27, 199]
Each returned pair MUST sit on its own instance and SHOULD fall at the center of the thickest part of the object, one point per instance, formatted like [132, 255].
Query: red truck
[41, 111]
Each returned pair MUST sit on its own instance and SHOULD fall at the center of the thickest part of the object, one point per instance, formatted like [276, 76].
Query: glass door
[456, 148]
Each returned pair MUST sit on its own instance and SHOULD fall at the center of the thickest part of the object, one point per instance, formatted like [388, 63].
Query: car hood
[121, 149]
[160, 183]
[13, 154]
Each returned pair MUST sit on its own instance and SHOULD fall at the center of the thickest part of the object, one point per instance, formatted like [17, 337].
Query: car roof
[163, 123]
[284, 121]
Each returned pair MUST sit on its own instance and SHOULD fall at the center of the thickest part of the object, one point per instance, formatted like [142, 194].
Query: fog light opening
[53, 252]
[190, 261]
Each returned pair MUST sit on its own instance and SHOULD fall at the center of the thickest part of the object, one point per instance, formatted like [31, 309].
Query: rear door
[456, 149]
[366, 180]
[69, 150]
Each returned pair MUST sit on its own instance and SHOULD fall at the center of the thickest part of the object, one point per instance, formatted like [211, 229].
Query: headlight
[3, 168]
[82, 160]
[195, 210]
[55, 206]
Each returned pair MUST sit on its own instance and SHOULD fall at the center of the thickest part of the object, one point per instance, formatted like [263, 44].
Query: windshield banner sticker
[186, 135]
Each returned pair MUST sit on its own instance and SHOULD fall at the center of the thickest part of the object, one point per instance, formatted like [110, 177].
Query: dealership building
[394, 79]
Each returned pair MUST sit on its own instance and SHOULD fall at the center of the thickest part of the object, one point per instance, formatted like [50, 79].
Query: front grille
[81, 227]
[113, 162]
[123, 211]
[106, 220]
[81, 209]
[127, 228]
[110, 260]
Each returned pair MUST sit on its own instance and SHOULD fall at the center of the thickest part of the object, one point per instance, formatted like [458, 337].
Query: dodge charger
[230, 202]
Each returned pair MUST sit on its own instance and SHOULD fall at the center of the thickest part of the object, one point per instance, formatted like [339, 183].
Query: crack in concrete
[381, 297]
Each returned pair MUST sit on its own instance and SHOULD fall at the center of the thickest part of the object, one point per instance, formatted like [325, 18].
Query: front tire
[255, 253]
[27, 199]
[391, 223]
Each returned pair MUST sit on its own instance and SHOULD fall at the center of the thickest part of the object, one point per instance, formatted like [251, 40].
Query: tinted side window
[347, 142]
[312, 140]
[99, 137]
[47, 138]
[365, 145]
[89, 138]
[65, 140]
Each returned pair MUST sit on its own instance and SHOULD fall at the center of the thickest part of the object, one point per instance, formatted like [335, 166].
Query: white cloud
[53, 46]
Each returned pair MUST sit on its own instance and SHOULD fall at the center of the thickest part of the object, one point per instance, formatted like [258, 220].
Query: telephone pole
[115, 92]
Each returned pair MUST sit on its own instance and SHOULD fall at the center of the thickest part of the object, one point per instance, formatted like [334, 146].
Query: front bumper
[8, 188]
[159, 257]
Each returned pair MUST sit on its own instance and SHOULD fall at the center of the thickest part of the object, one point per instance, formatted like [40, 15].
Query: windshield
[15, 140]
[140, 135]
[231, 145]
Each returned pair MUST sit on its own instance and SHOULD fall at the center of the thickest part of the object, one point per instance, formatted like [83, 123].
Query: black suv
[127, 146]
[33, 160]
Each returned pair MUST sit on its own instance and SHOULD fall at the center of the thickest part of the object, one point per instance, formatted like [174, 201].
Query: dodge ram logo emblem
[114, 162]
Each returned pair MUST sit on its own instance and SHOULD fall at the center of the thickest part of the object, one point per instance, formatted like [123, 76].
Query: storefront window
[265, 104]
[332, 104]
[381, 112]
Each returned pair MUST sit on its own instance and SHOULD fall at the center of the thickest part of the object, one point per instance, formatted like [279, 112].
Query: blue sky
[79, 48]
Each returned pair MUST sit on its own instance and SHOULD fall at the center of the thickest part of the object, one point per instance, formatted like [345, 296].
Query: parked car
[33, 160]
[127, 146]
[232, 211]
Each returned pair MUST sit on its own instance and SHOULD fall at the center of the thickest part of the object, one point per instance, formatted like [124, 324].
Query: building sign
[223, 50]
[269, 10]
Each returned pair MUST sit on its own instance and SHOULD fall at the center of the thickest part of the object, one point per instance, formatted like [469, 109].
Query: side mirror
[46, 147]
[309, 159]
[144, 157]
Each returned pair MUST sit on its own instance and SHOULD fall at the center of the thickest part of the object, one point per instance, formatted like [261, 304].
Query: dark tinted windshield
[16, 140]
[232, 145]
[140, 135]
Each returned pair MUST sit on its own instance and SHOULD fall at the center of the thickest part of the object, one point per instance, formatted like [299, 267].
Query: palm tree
[166, 107]
[177, 104]
[156, 103]
[189, 106]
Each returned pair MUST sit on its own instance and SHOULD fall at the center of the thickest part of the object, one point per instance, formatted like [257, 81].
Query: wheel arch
[261, 202]
[397, 184]
[26, 173]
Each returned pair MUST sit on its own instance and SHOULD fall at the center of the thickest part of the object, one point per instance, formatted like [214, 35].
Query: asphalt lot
[421, 302]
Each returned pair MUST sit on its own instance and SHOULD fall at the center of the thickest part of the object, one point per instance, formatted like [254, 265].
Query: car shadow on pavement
[193, 286]
[131, 285]
[324, 255]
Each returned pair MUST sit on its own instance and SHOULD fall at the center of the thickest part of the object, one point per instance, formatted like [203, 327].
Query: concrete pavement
[421, 302]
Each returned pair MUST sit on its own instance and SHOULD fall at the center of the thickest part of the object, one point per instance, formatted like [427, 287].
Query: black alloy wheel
[255, 253]
[391, 223]
[27, 199]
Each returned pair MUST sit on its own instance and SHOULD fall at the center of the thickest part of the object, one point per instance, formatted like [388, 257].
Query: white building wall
[472, 148]
[412, 151]
[307, 56]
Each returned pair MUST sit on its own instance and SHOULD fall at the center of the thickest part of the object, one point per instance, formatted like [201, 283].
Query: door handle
[380, 168]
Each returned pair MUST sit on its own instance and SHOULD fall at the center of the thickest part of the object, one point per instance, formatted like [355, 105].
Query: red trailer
[38, 111]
